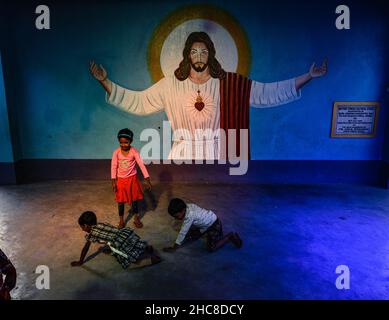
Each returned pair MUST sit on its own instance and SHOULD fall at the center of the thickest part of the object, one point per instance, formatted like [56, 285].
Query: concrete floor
[294, 238]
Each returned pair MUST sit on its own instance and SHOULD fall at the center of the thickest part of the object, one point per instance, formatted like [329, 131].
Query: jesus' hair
[215, 69]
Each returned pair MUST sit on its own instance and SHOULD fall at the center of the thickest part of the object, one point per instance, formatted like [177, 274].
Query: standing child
[125, 244]
[125, 182]
[199, 222]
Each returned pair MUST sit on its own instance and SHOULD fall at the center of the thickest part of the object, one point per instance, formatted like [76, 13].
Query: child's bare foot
[149, 249]
[137, 222]
[155, 259]
[236, 240]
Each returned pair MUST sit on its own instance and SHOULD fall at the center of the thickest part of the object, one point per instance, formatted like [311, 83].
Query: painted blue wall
[59, 112]
[385, 148]
[6, 153]
[386, 102]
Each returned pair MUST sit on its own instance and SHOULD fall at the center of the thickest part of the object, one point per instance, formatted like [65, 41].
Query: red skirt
[128, 189]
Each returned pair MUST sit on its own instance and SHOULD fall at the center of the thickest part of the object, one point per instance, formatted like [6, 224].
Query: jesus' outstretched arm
[140, 103]
[265, 95]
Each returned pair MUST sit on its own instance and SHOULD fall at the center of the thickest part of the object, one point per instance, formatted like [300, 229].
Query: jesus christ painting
[201, 95]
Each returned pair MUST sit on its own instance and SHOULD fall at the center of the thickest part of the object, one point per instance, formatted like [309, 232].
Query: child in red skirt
[125, 182]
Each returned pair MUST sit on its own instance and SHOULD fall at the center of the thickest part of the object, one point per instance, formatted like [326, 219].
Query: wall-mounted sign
[354, 119]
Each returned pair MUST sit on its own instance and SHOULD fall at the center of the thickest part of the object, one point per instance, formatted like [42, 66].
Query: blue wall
[386, 101]
[386, 139]
[6, 153]
[58, 111]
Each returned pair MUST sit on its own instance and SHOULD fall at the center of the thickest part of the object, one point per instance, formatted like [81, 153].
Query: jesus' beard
[199, 68]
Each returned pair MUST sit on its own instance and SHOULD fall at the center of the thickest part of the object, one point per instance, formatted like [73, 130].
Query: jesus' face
[199, 56]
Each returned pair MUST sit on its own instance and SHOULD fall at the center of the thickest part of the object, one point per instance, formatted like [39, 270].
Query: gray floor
[294, 238]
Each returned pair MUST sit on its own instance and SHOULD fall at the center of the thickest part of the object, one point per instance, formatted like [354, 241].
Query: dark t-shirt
[7, 268]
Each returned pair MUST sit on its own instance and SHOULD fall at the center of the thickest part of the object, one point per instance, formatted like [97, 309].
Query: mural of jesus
[201, 95]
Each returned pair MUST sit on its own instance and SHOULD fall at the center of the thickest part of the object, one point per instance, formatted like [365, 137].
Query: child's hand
[114, 186]
[76, 264]
[148, 184]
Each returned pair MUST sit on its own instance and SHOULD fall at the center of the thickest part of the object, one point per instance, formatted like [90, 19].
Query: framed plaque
[354, 119]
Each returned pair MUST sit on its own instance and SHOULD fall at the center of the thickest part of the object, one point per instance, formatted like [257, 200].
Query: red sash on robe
[235, 107]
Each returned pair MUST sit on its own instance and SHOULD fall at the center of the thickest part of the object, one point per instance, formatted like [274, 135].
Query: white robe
[177, 99]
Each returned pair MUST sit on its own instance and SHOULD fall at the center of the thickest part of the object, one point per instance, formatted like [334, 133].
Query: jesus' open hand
[97, 71]
[316, 72]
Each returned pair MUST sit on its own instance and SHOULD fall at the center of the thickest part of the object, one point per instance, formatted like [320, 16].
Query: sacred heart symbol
[199, 106]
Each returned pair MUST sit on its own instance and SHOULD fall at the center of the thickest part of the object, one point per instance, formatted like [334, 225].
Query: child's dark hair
[88, 218]
[176, 205]
[126, 133]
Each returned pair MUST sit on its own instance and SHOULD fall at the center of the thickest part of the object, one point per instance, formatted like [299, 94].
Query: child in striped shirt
[126, 246]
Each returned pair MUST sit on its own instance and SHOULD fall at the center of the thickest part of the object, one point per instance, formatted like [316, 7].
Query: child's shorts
[128, 189]
[214, 234]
